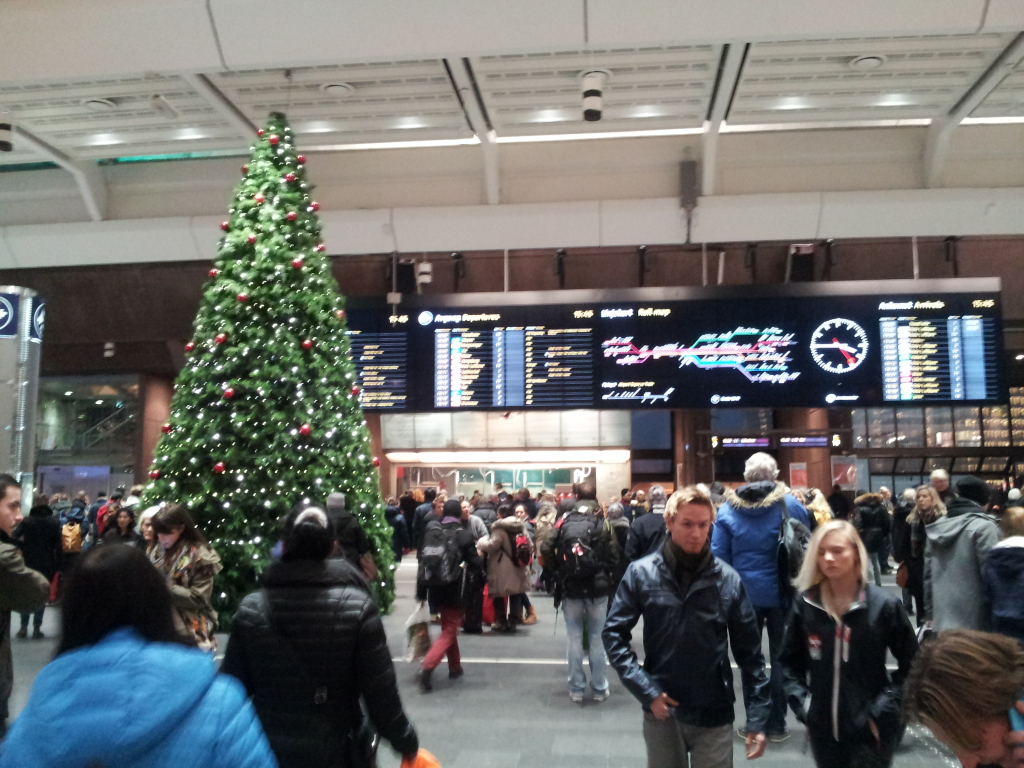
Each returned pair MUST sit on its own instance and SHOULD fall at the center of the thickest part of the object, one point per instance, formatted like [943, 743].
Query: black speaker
[800, 264]
[688, 191]
[405, 282]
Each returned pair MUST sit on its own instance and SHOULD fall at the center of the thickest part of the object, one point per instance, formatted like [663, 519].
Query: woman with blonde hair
[834, 654]
[818, 506]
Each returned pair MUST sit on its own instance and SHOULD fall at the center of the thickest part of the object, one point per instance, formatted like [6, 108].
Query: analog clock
[839, 345]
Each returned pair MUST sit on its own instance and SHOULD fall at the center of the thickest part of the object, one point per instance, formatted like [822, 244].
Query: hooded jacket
[485, 511]
[835, 675]
[1003, 577]
[746, 536]
[41, 543]
[22, 590]
[955, 551]
[128, 703]
[316, 625]
[646, 534]
[504, 577]
[872, 521]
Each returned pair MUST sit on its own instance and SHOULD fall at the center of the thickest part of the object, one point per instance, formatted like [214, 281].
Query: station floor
[511, 709]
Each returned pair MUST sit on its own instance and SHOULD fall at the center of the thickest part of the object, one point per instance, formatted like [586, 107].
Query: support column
[384, 474]
[818, 460]
[692, 452]
[155, 406]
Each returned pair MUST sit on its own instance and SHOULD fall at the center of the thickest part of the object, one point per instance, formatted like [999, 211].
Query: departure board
[806, 345]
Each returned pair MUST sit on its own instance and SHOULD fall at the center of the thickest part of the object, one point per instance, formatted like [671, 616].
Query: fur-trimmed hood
[866, 499]
[511, 525]
[756, 496]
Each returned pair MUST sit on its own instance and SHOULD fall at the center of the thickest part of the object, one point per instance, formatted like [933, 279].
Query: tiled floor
[512, 709]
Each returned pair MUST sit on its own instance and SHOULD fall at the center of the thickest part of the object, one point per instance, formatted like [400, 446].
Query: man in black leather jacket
[693, 604]
[311, 651]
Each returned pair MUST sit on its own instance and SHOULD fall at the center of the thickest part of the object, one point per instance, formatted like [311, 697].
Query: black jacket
[605, 552]
[486, 513]
[454, 595]
[686, 642]
[872, 521]
[351, 538]
[419, 522]
[646, 534]
[40, 541]
[867, 691]
[113, 536]
[399, 531]
[960, 505]
[319, 628]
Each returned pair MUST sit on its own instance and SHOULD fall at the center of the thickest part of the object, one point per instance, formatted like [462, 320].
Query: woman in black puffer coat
[311, 651]
[39, 538]
[872, 521]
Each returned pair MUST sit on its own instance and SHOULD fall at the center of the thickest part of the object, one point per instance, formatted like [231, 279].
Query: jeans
[37, 619]
[875, 559]
[669, 742]
[595, 609]
[448, 642]
[775, 618]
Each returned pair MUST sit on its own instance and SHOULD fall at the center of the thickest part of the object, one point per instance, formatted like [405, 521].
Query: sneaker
[423, 678]
[454, 674]
[778, 738]
[576, 698]
[602, 695]
[22, 633]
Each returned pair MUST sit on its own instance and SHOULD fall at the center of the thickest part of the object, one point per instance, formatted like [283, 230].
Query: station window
[939, 427]
[910, 427]
[881, 427]
[967, 427]
[995, 424]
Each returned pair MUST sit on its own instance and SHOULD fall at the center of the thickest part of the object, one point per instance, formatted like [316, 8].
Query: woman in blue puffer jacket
[121, 662]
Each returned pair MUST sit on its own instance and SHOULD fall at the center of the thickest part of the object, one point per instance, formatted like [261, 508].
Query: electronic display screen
[719, 347]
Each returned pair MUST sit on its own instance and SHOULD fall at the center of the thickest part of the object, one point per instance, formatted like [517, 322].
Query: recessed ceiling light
[866, 63]
[1020, 357]
[99, 105]
[68, 394]
[338, 90]
[99, 402]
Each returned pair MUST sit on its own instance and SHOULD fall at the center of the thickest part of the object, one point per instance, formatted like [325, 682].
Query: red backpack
[522, 552]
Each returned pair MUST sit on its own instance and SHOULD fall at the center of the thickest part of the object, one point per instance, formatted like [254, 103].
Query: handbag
[902, 575]
[794, 537]
[368, 567]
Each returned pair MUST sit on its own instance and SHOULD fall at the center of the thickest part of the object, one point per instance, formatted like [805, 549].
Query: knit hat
[335, 501]
[453, 508]
[973, 488]
[1013, 495]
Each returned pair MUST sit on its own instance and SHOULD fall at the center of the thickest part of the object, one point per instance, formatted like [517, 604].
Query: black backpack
[794, 537]
[576, 556]
[440, 557]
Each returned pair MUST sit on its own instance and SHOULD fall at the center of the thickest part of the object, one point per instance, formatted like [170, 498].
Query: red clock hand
[847, 355]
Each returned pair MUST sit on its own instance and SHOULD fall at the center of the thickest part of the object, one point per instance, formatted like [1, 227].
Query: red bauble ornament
[289, 177]
[305, 430]
[225, 225]
[259, 198]
[220, 338]
[307, 344]
[292, 216]
[314, 206]
[166, 428]
[376, 461]
[213, 272]
[355, 391]
[297, 262]
[189, 347]
[274, 139]
[245, 169]
[320, 248]
[251, 239]
[219, 467]
[155, 474]
[229, 392]
[243, 297]
[301, 158]
[341, 314]
[260, 132]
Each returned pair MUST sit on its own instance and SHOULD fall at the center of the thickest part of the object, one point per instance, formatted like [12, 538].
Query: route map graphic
[762, 355]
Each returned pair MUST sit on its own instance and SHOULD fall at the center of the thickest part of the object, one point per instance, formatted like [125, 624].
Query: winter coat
[954, 597]
[349, 534]
[22, 590]
[486, 513]
[314, 625]
[547, 516]
[961, 505]
[455, 594]
[504, 577]
[813, 665]
[476, 527]
[871, 519]
[419, 522]
[686, 642]
[840, 505]
[41, 542]
[1003, 578]
[908, 544]
[113, 536]
[399, 532]
[646, 534]
[620, 529]
[606, 554]
[190, 575]
[746, 536]
[128, 703]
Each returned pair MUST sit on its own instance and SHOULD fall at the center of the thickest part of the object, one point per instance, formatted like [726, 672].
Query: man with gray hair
[939, 479]
[746, 536]
[647, 532]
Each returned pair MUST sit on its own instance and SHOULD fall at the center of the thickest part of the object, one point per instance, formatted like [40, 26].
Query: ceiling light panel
[656, 87]
[827, 80]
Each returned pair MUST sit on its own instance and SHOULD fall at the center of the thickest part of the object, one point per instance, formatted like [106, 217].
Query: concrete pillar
[155, 394]
[384, 474]
[818, 460]
[692, 452]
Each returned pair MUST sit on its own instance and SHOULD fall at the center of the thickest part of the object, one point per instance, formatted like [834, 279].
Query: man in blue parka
[746, 536]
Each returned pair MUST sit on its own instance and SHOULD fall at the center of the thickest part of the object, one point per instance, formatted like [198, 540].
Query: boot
[37, 634]
[424, 680]
[531, 616]
[23, 632]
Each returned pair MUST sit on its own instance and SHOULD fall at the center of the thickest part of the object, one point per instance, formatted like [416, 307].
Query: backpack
[440, 557]
[794, 537]
[71, 537]
[575, 555]
[522, 552]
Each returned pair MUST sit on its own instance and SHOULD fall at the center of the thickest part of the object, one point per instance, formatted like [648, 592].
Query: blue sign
[38, 320]
[9, 303]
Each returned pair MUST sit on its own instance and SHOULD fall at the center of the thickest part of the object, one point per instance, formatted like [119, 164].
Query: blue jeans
[775, 618]
[595, 609]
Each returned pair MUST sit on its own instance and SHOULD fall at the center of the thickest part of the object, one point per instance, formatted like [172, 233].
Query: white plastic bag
[417, 630]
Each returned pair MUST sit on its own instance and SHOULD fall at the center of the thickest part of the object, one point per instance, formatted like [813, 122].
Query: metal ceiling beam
[87, 175]
[940, 133]
[464, 83]
[221, 103]
[728, 79]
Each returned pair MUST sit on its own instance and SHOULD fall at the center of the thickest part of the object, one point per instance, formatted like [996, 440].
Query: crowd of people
[307, 678]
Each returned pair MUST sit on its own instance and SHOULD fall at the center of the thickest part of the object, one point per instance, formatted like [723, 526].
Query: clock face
[839, 345]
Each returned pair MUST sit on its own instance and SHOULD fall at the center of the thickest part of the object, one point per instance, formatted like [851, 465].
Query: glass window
[902, 482]
[995, 425]
[909, 465]
[967, 427]
[995, 464]
[1017, 414]
[910, 427]
[966, 464]
[860, 430]
[880, 466]
[881, 427]
[939, 427]
[877, 481]
[938, 462]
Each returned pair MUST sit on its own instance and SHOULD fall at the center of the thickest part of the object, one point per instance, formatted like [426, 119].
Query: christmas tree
[266, 411]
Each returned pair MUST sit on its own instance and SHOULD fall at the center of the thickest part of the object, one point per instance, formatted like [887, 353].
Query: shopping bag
[488, 611]
[417, 630]
[423, 759]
